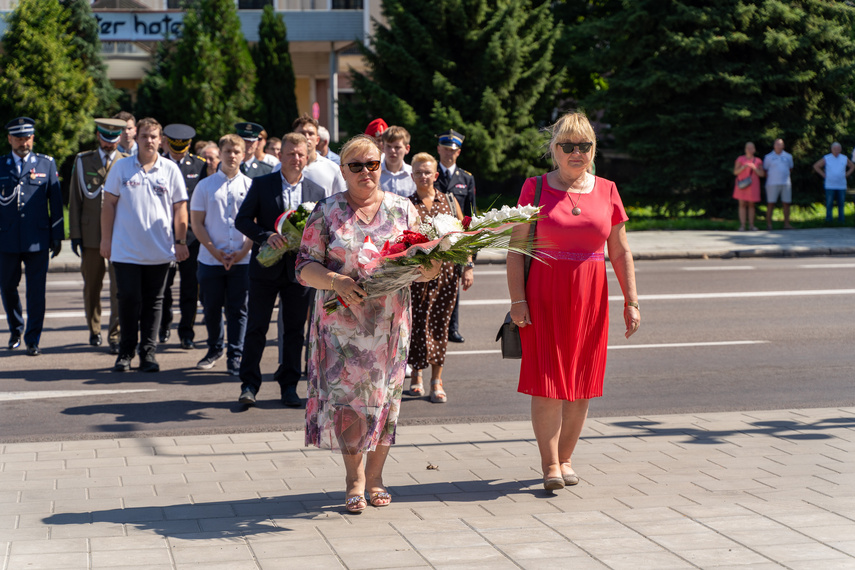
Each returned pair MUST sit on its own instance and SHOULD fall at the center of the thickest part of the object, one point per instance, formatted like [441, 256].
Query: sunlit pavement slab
[766, 489]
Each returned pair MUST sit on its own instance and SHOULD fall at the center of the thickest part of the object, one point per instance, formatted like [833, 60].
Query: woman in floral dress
[433, 302]
[357, 354]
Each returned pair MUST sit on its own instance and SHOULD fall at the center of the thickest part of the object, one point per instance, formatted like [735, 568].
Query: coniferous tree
[689, 82]
[481, 67]
[86, 43]
[43, 79]
[276, 100]
[206, 78]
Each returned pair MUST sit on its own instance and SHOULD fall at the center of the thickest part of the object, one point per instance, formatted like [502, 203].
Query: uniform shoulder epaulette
[197, 157]
[87, 153]
[466, 172]
[40, 155]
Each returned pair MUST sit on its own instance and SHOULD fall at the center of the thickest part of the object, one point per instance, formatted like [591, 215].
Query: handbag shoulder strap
[532, 228]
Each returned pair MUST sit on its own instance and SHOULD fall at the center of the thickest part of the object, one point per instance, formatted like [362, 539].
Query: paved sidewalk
[713, 490]
[671, 245]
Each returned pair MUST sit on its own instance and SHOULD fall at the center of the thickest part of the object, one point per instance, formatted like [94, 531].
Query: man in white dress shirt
[322, 171]
[396, 176]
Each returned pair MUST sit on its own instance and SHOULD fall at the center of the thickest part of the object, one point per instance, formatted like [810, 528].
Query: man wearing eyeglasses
[461, 184]
[267, 198]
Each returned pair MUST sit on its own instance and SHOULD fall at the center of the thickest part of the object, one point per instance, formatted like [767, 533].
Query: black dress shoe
[187, 344]
[14, 341]
[290, 399]
[247, 397]
[164, 336]
[149, 364]
[95, 339]
[33, 350]
[114, 348]
[455, 336]
[123, 364]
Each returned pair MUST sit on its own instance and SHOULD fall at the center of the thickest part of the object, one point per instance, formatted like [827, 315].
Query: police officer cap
[21, 127]
[248, 131]
[451, 139]
[110, 129]
[179, 137]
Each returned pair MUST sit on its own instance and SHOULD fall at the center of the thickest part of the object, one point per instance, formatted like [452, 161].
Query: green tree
[43, 79]
[276, 100]
[86, 43]
[481, 67]
[689, 82]
[205, 78]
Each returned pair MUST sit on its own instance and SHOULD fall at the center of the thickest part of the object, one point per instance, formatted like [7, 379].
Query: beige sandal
[416, 386]
[437, 394]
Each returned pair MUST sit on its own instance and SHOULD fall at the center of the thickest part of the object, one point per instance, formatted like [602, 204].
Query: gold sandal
[380, 499]
[437, 394]
[355, 504]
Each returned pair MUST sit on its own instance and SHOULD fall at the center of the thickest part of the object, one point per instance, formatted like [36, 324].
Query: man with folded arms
[143, 231]
[223, 260]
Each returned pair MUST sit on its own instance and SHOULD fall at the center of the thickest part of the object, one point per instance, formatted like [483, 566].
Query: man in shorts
[778, 165]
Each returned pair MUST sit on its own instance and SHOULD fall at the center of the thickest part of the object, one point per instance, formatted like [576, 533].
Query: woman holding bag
[748, 170]
[562, 309]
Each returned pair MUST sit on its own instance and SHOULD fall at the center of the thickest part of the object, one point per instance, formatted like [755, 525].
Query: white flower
[426, 228]
[449, 240]
[308, 206]
[445, 224]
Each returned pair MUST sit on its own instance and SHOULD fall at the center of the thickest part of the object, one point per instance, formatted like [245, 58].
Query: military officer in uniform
[85, 197]
[251, 166]
[193, 168]
[454, 179]
[30, 226]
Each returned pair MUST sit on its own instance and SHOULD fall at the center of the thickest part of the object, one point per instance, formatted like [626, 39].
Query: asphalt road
[716, 335]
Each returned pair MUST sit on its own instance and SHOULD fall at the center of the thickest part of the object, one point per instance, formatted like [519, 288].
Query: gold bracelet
[332, 281]
[631, 304]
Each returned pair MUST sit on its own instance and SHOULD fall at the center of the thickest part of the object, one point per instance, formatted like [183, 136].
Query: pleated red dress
[564, 349]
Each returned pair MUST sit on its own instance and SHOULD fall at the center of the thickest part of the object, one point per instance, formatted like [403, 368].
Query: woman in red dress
[747, 166]
[562, 310]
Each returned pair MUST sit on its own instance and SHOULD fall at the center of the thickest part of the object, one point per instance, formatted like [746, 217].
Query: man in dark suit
[251, 166]
[457, 181]
[193, 169]
[268, 197]
[30, 226]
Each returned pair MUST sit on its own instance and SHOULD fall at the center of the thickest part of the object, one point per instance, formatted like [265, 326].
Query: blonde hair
[295, 139]
[359, 143]
[570, 125]
[424, 157]
[394, 134]
[232, 140]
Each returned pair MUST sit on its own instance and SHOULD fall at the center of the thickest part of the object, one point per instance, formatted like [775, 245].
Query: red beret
[376, 127]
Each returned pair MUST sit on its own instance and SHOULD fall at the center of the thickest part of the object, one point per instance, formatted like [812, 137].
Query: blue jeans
[230, 289]
[830, 196]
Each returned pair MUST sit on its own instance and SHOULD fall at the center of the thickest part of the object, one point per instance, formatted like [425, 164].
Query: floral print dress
[358, 354]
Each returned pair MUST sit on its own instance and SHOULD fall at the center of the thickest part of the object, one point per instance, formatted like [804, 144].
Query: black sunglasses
[568, 147]
[371, 165]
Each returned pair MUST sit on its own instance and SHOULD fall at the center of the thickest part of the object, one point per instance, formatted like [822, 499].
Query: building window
[175, 4]
[120, 48]
[347, 4]
[254, 4]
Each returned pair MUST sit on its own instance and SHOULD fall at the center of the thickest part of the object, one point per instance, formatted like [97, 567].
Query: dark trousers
[230, 289]
[35, 268]
[188, 293]
[295, 306]
[140, 294]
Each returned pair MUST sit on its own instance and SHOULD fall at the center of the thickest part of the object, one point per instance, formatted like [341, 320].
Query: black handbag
[509, 332]
[744, 183]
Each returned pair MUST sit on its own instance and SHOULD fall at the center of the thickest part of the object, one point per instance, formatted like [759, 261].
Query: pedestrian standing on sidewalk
[143, 231]
[834, 168]
[223, 260]
[433, 301]
[562, 309]
[748, 169]
[778, 164]
[357, 355]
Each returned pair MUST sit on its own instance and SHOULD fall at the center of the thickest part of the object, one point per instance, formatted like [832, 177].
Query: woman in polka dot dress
[433, 301]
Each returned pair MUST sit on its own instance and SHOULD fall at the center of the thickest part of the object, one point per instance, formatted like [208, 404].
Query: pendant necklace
[576, 209]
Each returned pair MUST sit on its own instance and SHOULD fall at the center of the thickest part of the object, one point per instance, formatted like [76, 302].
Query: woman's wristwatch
[469, 265]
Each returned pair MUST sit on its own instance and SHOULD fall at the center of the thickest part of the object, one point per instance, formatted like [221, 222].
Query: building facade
[322, 34]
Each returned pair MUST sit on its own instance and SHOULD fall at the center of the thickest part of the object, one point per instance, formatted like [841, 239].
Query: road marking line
[627, 346]
[683, 296]
[828, 266]
[720, 268]
[37, 395]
